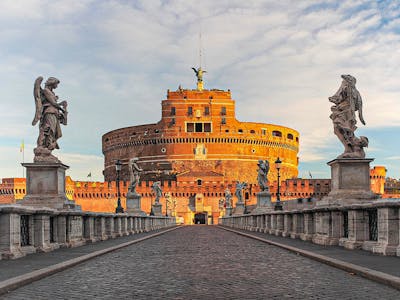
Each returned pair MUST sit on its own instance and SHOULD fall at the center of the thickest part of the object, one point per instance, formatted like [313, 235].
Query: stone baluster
[388, 231]
[309, 226]
[279, 224]
[287, 224]
[297, 225]
[88, 228]
[100, 228]
[357, 229]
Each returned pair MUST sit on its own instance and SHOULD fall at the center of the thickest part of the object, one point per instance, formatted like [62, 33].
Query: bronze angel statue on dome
[50, 113]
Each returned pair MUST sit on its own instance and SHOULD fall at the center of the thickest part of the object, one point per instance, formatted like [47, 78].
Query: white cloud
[116, 59]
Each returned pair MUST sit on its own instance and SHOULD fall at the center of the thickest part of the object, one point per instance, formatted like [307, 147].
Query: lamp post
[166, 207]
[119, 208]
[278, 205]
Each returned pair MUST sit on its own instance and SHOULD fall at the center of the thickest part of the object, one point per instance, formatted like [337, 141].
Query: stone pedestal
[228, 211]
[239, 209]
[45, 186]
[350, 182]
[133, 204]
[263, 203]
[157, 209]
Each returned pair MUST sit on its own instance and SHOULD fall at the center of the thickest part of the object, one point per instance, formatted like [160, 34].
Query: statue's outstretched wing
[359, 107]
[195, 71]
[38, 100]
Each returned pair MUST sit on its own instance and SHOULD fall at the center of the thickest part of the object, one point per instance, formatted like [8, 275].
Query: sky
[280, 59]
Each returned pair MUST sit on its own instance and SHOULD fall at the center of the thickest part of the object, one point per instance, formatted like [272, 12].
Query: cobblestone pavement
[203, 262]
[38, 261]
[386, 264]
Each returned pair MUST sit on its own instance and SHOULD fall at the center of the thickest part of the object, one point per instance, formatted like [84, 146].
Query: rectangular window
[223, 120]
[173, 111]
[190, 111]
[223, 110]
[189, 127]
[206, 111]
[199, 127]
[207, 127]
[264, 131]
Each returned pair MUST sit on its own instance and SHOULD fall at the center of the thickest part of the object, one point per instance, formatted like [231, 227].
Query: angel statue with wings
[263, 169]
[134, 171]
[347, 101]
[50, 113]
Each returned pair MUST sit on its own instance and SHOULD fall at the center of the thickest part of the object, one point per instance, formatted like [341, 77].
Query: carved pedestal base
[228, 211]
[263, 203]
[239, 209]
[350, 182]
[157, 209]
[45, 186]
[133, 204]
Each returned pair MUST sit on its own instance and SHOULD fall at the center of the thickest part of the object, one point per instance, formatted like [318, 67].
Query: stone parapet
[25, 230]
[372, 226]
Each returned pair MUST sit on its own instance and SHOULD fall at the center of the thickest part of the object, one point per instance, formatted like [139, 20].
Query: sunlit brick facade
[199, 148]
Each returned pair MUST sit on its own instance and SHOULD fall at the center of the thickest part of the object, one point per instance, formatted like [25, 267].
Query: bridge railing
[25, 230]
[373, 227]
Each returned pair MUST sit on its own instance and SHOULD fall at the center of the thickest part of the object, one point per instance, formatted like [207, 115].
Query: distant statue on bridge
[157, 191]
[347, 100]
[240, 186]
[228, 198]
[221, 203]
[263, 169]
[50, 113]
[134, 171]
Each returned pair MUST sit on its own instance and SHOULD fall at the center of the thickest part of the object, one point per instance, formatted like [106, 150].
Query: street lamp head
[278, 163]
[118, 165]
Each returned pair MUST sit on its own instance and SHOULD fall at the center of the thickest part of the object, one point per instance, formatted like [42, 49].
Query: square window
[207, 127]
[199, 127]
[189, 127]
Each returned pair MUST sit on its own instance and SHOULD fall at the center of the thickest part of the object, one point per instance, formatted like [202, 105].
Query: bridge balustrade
[25, 230]
[373, 227]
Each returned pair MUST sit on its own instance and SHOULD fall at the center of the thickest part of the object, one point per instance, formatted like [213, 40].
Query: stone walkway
[386, 264]
[38, 261]
[203, 262]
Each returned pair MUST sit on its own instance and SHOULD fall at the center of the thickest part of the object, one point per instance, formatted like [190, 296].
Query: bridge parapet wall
[373, 227]
[25, 230]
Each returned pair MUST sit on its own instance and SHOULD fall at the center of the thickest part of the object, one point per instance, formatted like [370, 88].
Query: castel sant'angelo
[198, 149]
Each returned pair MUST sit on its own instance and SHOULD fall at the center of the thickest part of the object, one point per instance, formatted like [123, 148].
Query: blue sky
[281, 60]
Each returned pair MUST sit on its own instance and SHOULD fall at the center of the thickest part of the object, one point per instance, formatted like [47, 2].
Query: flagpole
[23, 160]
[23, 157]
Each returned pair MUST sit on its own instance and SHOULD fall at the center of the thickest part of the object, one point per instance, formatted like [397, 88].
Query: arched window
[290, 136]
[199, 182]
[277, 133]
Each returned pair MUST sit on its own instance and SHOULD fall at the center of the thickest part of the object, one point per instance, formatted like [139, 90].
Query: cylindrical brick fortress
[198, 132]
